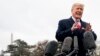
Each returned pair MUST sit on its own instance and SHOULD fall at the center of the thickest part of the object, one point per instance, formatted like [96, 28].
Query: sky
[37, 20]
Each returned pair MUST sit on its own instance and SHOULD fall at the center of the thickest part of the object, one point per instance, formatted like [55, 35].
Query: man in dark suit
[74, 26]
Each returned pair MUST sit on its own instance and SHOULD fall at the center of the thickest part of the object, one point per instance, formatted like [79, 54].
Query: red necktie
[78, 25]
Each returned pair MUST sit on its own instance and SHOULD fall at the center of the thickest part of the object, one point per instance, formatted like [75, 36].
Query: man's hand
[74, 27]
[88, 27]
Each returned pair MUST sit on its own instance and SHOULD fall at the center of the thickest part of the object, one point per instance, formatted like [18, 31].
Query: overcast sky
[37, 20]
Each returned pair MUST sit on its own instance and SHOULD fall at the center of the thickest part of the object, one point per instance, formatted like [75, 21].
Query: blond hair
[77, 4]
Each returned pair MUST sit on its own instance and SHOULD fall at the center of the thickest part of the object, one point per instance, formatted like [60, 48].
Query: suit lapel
[71, 21]
[83, 24]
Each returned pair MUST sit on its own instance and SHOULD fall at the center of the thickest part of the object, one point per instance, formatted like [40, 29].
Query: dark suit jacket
[64, 30]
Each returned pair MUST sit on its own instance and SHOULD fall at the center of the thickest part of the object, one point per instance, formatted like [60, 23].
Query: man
[74, 26]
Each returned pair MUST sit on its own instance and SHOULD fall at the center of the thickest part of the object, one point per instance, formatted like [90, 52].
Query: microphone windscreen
[88, 41]
[51, 48]
[66, 47]
[75, 43]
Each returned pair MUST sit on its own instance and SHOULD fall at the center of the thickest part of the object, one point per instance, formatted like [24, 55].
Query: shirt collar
[74, 19]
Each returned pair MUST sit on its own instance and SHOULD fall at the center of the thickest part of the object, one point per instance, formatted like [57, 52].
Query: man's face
[77, 11]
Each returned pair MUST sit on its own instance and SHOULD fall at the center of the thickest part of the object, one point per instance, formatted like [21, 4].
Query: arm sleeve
[63, 31]
[95, 36]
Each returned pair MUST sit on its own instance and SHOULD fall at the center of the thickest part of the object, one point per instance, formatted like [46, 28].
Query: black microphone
[88, 40]
[51, 48]
[66, 47]
[75, 50]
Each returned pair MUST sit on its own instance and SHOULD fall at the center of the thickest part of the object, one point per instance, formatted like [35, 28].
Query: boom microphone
[88, 41]
[66, 47]
[51, 48]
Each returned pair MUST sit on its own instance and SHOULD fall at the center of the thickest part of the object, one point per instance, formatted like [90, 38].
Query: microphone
[75, 43]
[88, 40]
[51, 48]
[75, 50]
[66, 47]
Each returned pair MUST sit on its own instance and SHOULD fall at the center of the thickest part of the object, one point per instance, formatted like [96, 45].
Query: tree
[19, 48]
[40, 48]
